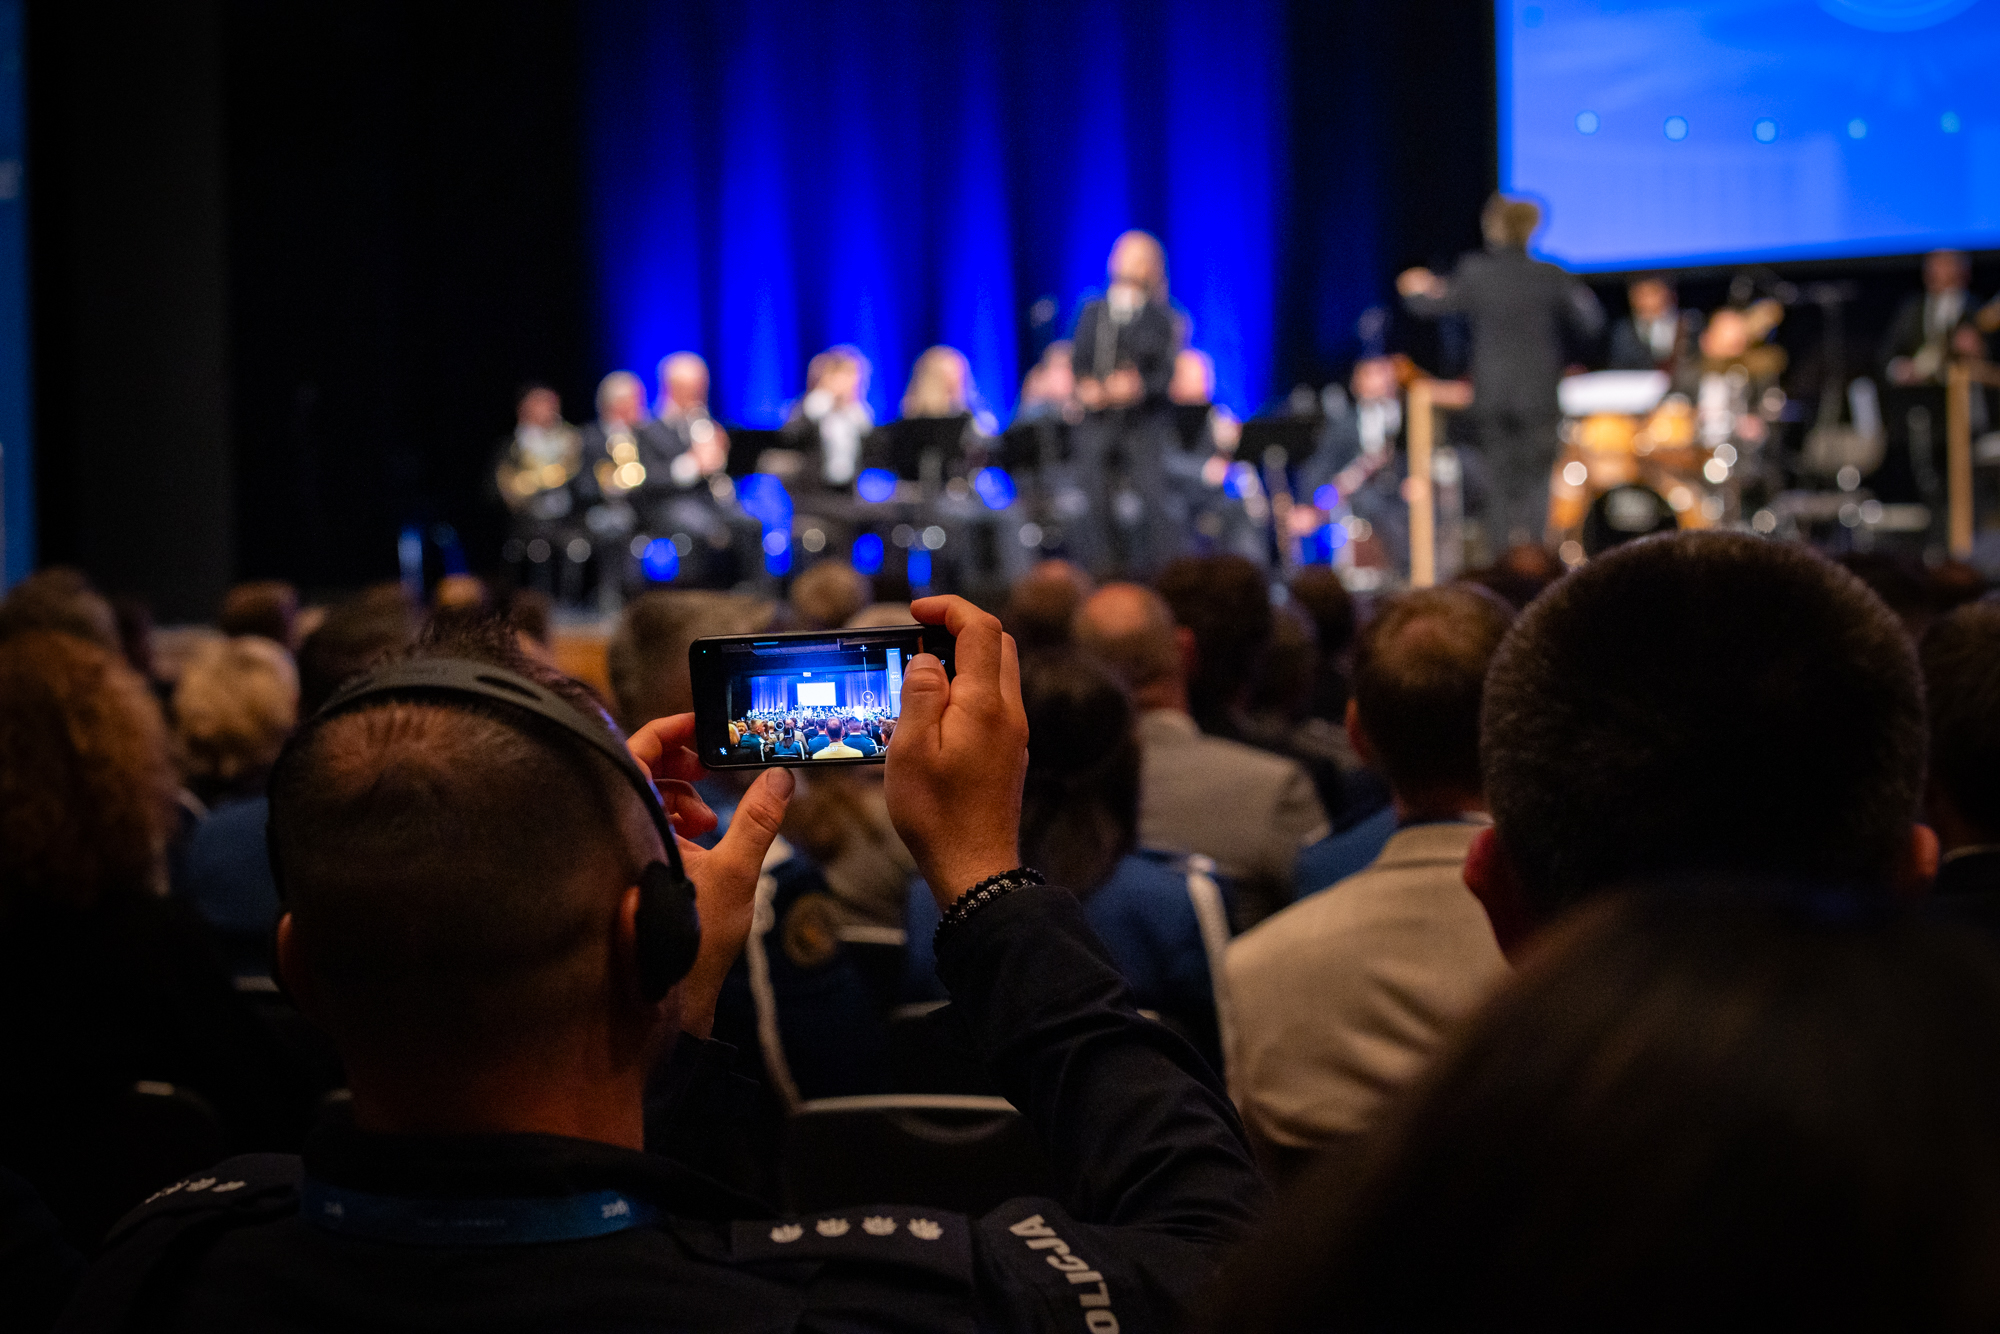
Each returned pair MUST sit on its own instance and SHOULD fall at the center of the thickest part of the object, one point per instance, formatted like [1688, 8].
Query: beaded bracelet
[986, 891]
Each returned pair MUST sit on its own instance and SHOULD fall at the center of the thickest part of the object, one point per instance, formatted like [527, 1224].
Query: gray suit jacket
[1247, 810]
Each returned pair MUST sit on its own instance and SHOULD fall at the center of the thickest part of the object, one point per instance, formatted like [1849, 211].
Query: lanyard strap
[524, 1222]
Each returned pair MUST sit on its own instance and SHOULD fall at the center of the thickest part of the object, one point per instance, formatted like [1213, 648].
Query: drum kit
[1634, 460]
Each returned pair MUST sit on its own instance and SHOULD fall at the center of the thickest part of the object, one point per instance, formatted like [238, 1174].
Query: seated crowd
[1606, 950]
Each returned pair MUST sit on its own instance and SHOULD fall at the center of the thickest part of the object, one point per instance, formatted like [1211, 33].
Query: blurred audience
[1961, 663]
[1041, 606]
[1247, 810]
[1225, 601]
[60, 599]
[1714, 1106]
[356, 635]
[1699, 703]
[1397, 954]
[104, 981]
[235, 704]
[268, 608]
[829, 595]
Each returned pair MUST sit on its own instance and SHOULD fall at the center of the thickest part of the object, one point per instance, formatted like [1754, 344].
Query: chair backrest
[1212, 915]
[943, 1151]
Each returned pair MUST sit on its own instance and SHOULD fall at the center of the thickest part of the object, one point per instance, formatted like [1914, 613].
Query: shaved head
[1130, 629]
[453, 870]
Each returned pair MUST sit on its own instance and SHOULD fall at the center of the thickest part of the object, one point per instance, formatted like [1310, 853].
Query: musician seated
[1932, 328]
[1048, 392]
[941, 386]
[1657, 335]
[538, 460]
[700, 448]
[827, 424]
[1737, 368]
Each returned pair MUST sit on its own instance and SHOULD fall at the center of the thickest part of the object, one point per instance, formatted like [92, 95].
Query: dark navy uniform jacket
[1157, 1182]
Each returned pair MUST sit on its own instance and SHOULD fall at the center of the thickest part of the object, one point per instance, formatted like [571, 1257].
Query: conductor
[1520, 311]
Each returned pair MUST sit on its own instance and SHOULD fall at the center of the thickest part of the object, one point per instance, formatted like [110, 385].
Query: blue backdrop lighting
[769, 178]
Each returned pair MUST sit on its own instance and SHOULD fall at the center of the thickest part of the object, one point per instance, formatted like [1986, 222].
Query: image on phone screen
[804, 699]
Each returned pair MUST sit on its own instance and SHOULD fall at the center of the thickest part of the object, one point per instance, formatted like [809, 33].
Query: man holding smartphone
[463, 919]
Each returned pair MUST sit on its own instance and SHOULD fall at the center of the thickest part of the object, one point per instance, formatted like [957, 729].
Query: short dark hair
[446, 862]
[1419, 675]
[1226, 601]
[265, 607]
[1711, 1098]
[1702, 702]
[1080, 802]
[1961, 661]
[357, 635]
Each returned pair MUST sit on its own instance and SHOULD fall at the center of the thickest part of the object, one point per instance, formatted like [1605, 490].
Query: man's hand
[1090, 393]
[1123, 387]
[955, 766]
[725, 877]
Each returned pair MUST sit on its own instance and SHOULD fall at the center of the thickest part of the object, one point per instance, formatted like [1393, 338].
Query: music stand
[902, 446]
[1296, 436]
[746, 445]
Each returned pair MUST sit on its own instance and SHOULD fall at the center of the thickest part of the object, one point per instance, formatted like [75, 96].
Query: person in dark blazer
[1523, 313]
[1657, 335]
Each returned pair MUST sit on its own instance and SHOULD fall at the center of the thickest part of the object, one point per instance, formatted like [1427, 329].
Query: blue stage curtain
[768, 178]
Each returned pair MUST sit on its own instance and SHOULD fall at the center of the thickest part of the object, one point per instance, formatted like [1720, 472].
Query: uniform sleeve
[1155, 1175]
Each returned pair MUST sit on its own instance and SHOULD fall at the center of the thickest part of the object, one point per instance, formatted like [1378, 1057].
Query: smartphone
[813, 698]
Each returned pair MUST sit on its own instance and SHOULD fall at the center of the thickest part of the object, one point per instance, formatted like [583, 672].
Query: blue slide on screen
[1664, 134]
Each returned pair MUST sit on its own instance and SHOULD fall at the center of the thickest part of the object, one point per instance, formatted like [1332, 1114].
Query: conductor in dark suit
[1123, 356]
[1521, 312]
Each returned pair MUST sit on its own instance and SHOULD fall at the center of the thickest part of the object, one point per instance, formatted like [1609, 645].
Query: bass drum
[1623, 514]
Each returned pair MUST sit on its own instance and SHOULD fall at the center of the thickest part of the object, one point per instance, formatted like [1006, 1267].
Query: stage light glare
[1587, 122]
[1327, 496]
[995, 487]
[933, 537]
[1716, 471]
[1857, 128]
[578, 550]
[1031, 535]
[1676, 128]
[1570, 552]
[902, 535]
[1764, 521]
[683, 543]
[1766, 130]
[660, 561]
[775, 542]
[875, 485]
[813, 540]
[1576, 474]
[539, 549]
[1871, 512]
[920, 568]
[868, 553]
[765, 499]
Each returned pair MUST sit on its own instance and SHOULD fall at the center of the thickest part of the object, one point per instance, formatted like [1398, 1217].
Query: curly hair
[86, 785]
[236, 703]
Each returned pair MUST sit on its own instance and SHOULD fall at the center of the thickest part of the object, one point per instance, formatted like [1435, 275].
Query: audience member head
[1651, 297]
[1137, 268]
[538, 406]
[648, 656]
[829, 594]
[1226, 601]
[1509, 223]
[1193, 380]
[457, 880]
[1042, 604]
[940, 384]
[1326, 602]
[1690, 1103]
[1946, 271]
[1080, 804]
[86, 783]
[358, 634]
[60, 599]
[1901, 582]
[1961, 662]
[1703, 703]
[1130, 630]
[835, 730]
[530, 611]
[683, 383]
[268, 608]
[1419, 675]
[621, 399]
[236, 702]
[1286, 686]
[1520, 575]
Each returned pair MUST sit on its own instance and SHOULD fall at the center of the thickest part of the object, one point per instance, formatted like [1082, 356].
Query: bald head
[1131, 630]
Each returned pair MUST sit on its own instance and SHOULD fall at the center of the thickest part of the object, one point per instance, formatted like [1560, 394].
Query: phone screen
[832, 698]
